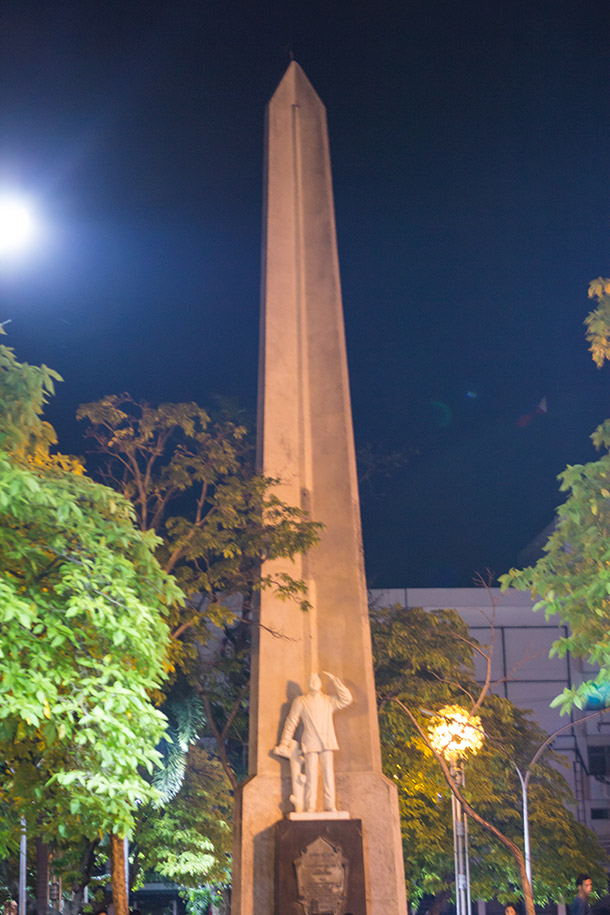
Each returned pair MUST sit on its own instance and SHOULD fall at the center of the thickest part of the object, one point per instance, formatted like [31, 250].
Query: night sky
[471, 148]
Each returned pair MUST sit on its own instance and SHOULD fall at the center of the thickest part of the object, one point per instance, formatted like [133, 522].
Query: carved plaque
[322, 874]
[340, 865]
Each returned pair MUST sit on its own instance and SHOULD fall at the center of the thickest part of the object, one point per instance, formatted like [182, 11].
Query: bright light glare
[17, 225]
[455, 734]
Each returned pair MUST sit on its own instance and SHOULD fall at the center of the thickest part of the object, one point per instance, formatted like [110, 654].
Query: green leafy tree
[184, 836]
[83, 640]
[188, 841]
[572, 579]
[185, 721]
[191, 480]
[424, 661]
[597, 321]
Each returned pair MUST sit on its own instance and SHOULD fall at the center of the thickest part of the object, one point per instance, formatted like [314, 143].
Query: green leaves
[189, 840]
[83, 638]
[190, 479]
[572, 579]
[426, 660]
[597, 322]
[26, 389]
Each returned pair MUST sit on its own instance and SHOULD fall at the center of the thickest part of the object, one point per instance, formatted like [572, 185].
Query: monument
[299, 850]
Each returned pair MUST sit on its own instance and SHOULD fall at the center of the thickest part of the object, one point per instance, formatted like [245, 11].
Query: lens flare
[17, 224]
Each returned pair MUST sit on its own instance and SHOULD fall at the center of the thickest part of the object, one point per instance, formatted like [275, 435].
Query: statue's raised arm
[343, 697]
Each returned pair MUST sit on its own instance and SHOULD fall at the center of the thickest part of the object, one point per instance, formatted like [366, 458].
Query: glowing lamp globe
[455, 734]
[17, 225]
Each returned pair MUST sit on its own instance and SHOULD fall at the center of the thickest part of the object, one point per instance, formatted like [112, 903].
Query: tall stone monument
[306, 441]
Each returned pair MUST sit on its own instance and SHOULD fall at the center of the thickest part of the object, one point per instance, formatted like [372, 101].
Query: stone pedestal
[319, 868]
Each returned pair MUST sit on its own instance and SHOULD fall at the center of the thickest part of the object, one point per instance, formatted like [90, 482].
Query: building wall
[523, 671]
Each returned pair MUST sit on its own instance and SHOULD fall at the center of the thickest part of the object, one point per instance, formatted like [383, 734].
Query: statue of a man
[318, 740]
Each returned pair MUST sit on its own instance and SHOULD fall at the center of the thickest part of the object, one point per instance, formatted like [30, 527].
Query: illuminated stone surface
[306, 440]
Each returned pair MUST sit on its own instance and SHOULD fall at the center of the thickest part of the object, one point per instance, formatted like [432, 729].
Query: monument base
[262, 801]
[319, 815]
[319, 867]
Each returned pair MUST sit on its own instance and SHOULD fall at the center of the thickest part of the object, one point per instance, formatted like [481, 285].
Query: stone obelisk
[305, 440]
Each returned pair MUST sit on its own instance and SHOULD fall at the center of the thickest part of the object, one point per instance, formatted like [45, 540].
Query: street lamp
[455, 734]
[525, 780]
[17, 224]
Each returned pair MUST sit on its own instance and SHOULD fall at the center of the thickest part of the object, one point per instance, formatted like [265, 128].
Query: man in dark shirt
[581, 906]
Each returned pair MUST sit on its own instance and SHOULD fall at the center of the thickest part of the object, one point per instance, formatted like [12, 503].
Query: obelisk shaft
[306, 441]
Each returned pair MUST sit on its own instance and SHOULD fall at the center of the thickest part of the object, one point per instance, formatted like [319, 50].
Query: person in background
[581, 906]
[511, 909]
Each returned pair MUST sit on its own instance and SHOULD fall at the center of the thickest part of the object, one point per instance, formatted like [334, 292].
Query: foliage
[188, 841]
[572, 579]
[198, 900]
[597, 322]
[375, 463]
[25, 391]
[75, 858]
[185, 839]
[191, 480]
[185, 719]
[83, 637]
[426, 661]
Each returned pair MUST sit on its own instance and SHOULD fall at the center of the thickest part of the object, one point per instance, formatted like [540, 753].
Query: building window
[599, 761]
[600, 813]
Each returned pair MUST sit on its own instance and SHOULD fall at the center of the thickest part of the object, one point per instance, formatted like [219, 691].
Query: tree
[184, 837]
[424, 661]
[188, 841]
[83, 640]
[597, 321]
[191, 480]
[572, 579]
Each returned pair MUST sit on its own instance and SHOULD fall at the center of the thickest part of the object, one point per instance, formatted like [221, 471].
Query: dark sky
[471, 151]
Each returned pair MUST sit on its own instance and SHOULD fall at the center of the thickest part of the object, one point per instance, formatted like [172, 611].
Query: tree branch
[243, 692]
[222, 750]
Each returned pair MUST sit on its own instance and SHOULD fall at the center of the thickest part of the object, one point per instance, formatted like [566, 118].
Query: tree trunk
[42, 876]
[438, 902]
[220, 744]
[75, 905]
[117, 869]
[85, 871]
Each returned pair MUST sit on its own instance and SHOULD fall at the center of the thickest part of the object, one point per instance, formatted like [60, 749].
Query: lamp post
[23, 850]
[525, 780]
[455, 734]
